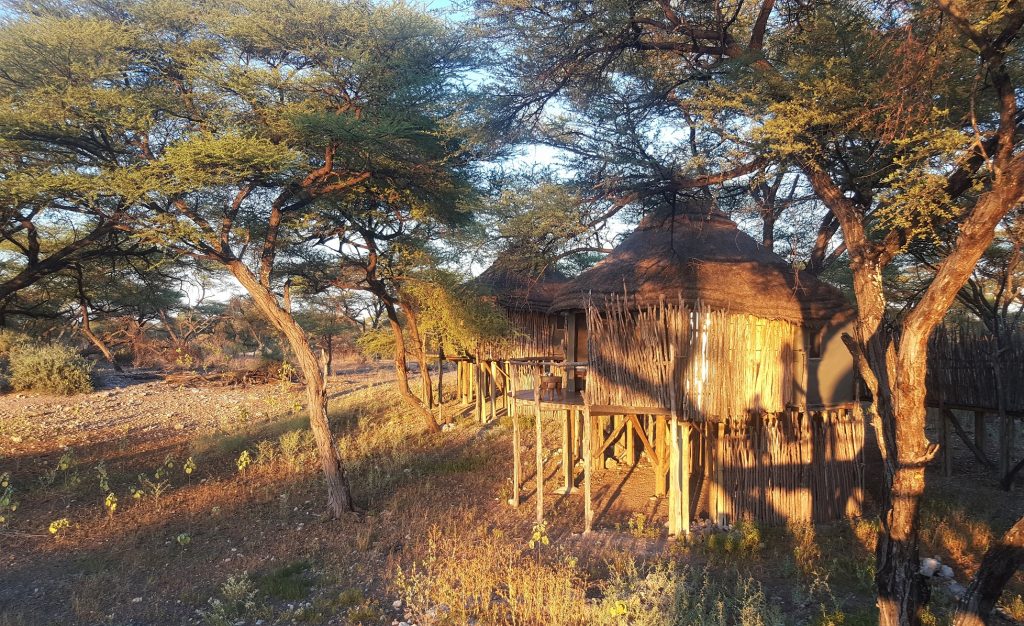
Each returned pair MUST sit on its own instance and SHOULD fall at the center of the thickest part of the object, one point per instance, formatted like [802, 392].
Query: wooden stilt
[630, 439]
[674, 480]
[945, 443]
[540, 454]
[478, 384]
[660, 467]
[980, 436]
[567, 487]
[719, 488]
[494, 389]
[588, 470]
[517, 464]
[687, 471]
[440, 385]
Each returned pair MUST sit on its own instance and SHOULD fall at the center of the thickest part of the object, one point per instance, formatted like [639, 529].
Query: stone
[929, 566]
[946, 571]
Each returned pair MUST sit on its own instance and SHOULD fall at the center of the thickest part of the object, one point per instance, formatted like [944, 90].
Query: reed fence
[781, 467]
[961, 369]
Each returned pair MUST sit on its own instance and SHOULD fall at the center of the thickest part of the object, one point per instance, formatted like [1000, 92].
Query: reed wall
[725, 365]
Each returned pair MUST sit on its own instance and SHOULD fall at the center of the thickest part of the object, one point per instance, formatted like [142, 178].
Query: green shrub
[10, 339]
[51, 368]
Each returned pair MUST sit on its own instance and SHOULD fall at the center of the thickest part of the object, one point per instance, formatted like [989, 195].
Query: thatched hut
[782, 324]
[524, 289]
[695, 347]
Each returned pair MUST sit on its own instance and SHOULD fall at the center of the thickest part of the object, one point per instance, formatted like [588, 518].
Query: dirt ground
[252, 504]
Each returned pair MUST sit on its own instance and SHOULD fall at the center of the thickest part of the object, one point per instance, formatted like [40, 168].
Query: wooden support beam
[540, 455]
[517, 464]
[494, 389]
[567, 437]
[978, 451]
[610, 439]
[980, 434]
[719, 472]
[686, 471]
[674, 480]
[629, 449]
[642, 436]
[588, 470]
[945, 444]
[660, 462]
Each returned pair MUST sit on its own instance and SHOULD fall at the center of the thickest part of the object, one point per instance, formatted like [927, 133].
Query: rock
[397, 604]
[929, 566]
[946, 571]
[957, 589]
[610, 463]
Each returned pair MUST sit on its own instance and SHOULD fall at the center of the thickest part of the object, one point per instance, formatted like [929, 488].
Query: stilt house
[697, 348]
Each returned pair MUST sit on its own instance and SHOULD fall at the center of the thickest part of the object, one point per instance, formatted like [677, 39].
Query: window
[814, 342]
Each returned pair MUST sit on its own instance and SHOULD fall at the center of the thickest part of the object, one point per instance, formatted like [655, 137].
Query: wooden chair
[550, 387]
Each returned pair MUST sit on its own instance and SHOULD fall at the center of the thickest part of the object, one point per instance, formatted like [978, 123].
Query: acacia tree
[220, 125]
[902, 117]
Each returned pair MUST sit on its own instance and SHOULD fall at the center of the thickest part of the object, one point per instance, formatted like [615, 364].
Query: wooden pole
[540, 453]
[567, 451]
[687, 471]
[630, 441]
[517, 464]
[719, 487]
[478, 387]
[674, 482]
[588, 470]
[945, 444]
[980, 438]
[494, 390]
[661, 446]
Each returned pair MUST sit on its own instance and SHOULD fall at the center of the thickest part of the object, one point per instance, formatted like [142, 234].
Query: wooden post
[980, 436]
[517, 465]
[674, 482]
[630, 441]
[719, 488]
[687, 471]
[588, 469]
[540, 453]
[661, 447]
[567, 451]
[478, 384]
[945, 443]
[494, 390]
[440, 385]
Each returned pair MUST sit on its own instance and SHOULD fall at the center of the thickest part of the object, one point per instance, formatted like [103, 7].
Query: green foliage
[238, 600]
[50, 368]
[449, 308]
[291, 582]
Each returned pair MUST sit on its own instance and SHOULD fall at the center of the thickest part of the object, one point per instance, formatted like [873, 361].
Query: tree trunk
[997, 567]
[421, 354]
[339, 496]
[95, 339]
[402, 372]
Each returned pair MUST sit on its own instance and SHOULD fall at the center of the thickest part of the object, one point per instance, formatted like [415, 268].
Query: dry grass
[436, 533]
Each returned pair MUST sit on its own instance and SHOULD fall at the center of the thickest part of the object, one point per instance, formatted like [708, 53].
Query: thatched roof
[520, 284]
[703, 255]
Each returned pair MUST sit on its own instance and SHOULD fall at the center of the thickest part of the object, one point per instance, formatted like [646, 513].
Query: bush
[9, 340]
[51, 368]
